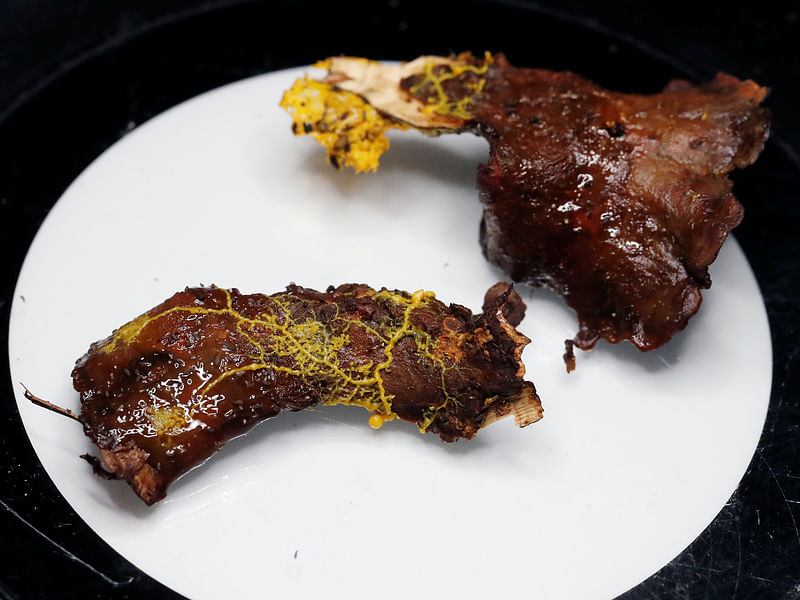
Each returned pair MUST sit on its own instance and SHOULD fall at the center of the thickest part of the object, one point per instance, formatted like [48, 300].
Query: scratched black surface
[75, 76]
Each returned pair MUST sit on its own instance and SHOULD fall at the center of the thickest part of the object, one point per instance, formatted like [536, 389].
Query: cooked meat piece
[168, 389]
[619, 202]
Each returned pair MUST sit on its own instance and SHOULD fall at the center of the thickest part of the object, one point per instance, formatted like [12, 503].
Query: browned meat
[619, 202]
[168, 389]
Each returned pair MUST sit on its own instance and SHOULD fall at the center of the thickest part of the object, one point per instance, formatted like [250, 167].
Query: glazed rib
[167, 390]
[618, 202]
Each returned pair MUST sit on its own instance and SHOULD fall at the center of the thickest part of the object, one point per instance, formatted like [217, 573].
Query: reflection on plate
[635, 456]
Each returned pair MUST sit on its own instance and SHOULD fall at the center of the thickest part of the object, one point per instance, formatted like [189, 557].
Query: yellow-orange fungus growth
[352, 131]
[165, 391]
[376, 421]
[307, 348]
[434, 77]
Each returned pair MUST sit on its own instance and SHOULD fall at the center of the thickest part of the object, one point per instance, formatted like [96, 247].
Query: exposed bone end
[526, 408]
[380, 86]
[132, 466]
[352, 108]
[507, 307]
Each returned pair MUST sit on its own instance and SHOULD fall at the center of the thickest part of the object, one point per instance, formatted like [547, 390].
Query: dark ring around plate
[752, 548]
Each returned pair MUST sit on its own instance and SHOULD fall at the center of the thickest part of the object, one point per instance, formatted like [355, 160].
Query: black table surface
[74, 76]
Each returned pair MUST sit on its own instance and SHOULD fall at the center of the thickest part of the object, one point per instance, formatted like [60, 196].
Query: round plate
[750, 549]
[635, 447]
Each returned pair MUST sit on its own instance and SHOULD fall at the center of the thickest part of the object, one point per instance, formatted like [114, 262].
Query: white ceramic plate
[635, 456]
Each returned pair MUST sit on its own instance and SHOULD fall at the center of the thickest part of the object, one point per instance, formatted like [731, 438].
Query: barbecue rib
[168, 389]
[619, 202]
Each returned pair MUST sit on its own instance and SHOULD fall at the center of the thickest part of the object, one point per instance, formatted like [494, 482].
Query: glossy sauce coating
[168, 389]
[619, 202]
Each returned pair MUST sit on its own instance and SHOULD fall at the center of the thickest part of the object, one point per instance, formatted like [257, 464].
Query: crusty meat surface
[618, 202]
[167, 390]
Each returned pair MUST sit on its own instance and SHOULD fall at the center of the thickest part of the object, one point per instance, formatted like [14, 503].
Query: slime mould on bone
[618, 202]
[165, 391]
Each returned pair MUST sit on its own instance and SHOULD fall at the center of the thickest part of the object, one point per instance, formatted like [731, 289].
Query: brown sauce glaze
[167, 390]
[618, 202]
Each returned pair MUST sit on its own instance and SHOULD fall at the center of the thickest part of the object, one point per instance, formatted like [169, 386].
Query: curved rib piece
[165, 391]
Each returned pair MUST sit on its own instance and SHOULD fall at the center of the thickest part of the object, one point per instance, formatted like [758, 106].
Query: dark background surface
[75, 76]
